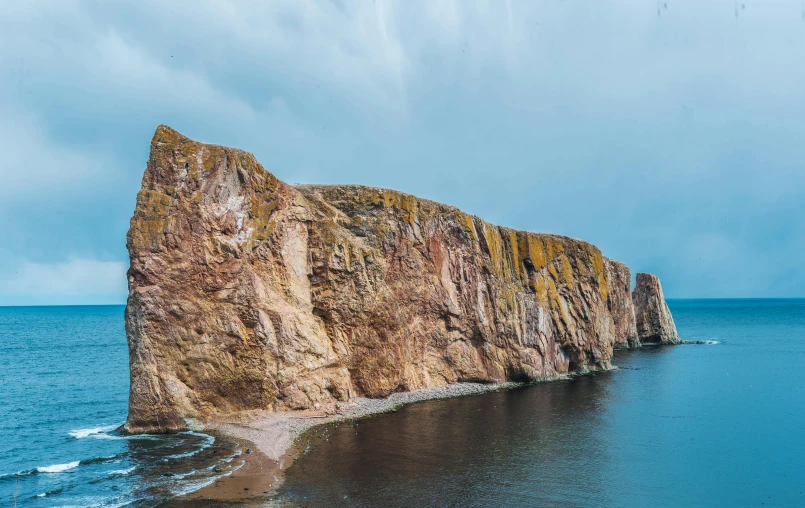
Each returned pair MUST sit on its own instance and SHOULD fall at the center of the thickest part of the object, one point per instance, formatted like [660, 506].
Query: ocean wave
[226, 460]
[182, 476]
[12, 476]
[50, 493]
[58, 468]
[101, 460]
[708, 342]
[107, 432]
[131, 437]
[97, 432]
[208, 441]
[190, 487]
[97, 501]
[121, 472]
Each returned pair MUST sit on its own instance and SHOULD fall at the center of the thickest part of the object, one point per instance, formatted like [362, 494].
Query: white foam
[141, 437]
[190, 487]
[96, 501]
[58, 468]
[94, 432]
[182, 476]
[122, 471]
[208, 441]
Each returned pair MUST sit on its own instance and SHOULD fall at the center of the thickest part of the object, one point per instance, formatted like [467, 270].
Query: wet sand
[253, 481]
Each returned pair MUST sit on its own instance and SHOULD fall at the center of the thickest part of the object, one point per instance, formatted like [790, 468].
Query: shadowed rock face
[248, 293]
[619, 281]
[654, 322]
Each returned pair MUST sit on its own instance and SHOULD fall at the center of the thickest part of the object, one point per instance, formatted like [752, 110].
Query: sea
[720, 423]
[64, 387]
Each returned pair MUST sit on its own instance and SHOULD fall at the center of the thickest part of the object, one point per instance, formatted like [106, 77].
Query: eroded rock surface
[248, 293]
[655, 325]
[619, 281]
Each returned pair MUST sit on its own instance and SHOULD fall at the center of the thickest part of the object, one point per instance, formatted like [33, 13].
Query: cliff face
[248, 293]
[621, 308]
[654, 322]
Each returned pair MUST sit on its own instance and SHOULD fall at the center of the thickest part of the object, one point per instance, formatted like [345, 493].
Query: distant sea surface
[721, 424]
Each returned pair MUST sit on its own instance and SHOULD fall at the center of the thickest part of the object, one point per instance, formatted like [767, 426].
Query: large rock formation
[248, 293]
[619, 282]
[654, 322]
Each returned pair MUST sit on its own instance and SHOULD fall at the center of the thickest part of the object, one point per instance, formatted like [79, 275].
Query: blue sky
[673, 140]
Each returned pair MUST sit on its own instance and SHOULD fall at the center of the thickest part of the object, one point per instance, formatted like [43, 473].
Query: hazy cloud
[671, 139]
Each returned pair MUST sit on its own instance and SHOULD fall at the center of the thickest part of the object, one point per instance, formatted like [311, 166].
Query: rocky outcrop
[621, 308]
[654, 322]
[248, 293]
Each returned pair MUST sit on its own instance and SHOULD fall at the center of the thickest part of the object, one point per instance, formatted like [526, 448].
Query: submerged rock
[655, 325]
[248, 293]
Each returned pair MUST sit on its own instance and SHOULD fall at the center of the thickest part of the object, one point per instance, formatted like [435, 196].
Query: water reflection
[698, 425]
[521, 442]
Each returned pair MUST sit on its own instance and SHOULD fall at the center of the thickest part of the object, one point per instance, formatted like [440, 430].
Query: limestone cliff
[619, 281]
[248, 293]
[654, 322]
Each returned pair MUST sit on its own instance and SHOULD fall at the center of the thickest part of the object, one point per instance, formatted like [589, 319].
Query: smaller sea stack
[654, 322]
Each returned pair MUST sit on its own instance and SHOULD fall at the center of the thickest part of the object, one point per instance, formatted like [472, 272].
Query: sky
[671, 135]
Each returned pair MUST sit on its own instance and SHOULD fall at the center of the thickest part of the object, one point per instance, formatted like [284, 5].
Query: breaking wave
[206, 443]
[121, 472]
[92, 432]
[58, 468]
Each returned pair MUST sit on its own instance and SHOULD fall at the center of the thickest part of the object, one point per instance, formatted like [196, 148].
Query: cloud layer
[672, 139]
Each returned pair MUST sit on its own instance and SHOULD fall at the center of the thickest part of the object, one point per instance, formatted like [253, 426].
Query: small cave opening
[572, 361]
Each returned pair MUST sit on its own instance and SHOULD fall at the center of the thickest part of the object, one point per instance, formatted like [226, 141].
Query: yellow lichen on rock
[246, 293]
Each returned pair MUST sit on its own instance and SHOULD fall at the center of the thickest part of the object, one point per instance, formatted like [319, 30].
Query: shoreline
[251, 481]
[272, 437]
[268, 439]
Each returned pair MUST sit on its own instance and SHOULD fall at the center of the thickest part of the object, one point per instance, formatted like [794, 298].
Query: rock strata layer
[655, 325]
[246, 293]
[619, 281]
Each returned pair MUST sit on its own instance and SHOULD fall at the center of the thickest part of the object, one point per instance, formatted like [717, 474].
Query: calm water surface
[696, 425]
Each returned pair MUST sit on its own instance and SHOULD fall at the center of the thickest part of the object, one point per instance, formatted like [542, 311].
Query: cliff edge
[248, 293]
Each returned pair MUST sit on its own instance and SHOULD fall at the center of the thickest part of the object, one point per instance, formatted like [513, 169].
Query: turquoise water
[64, 384]
[695, 425]
[692, 425]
